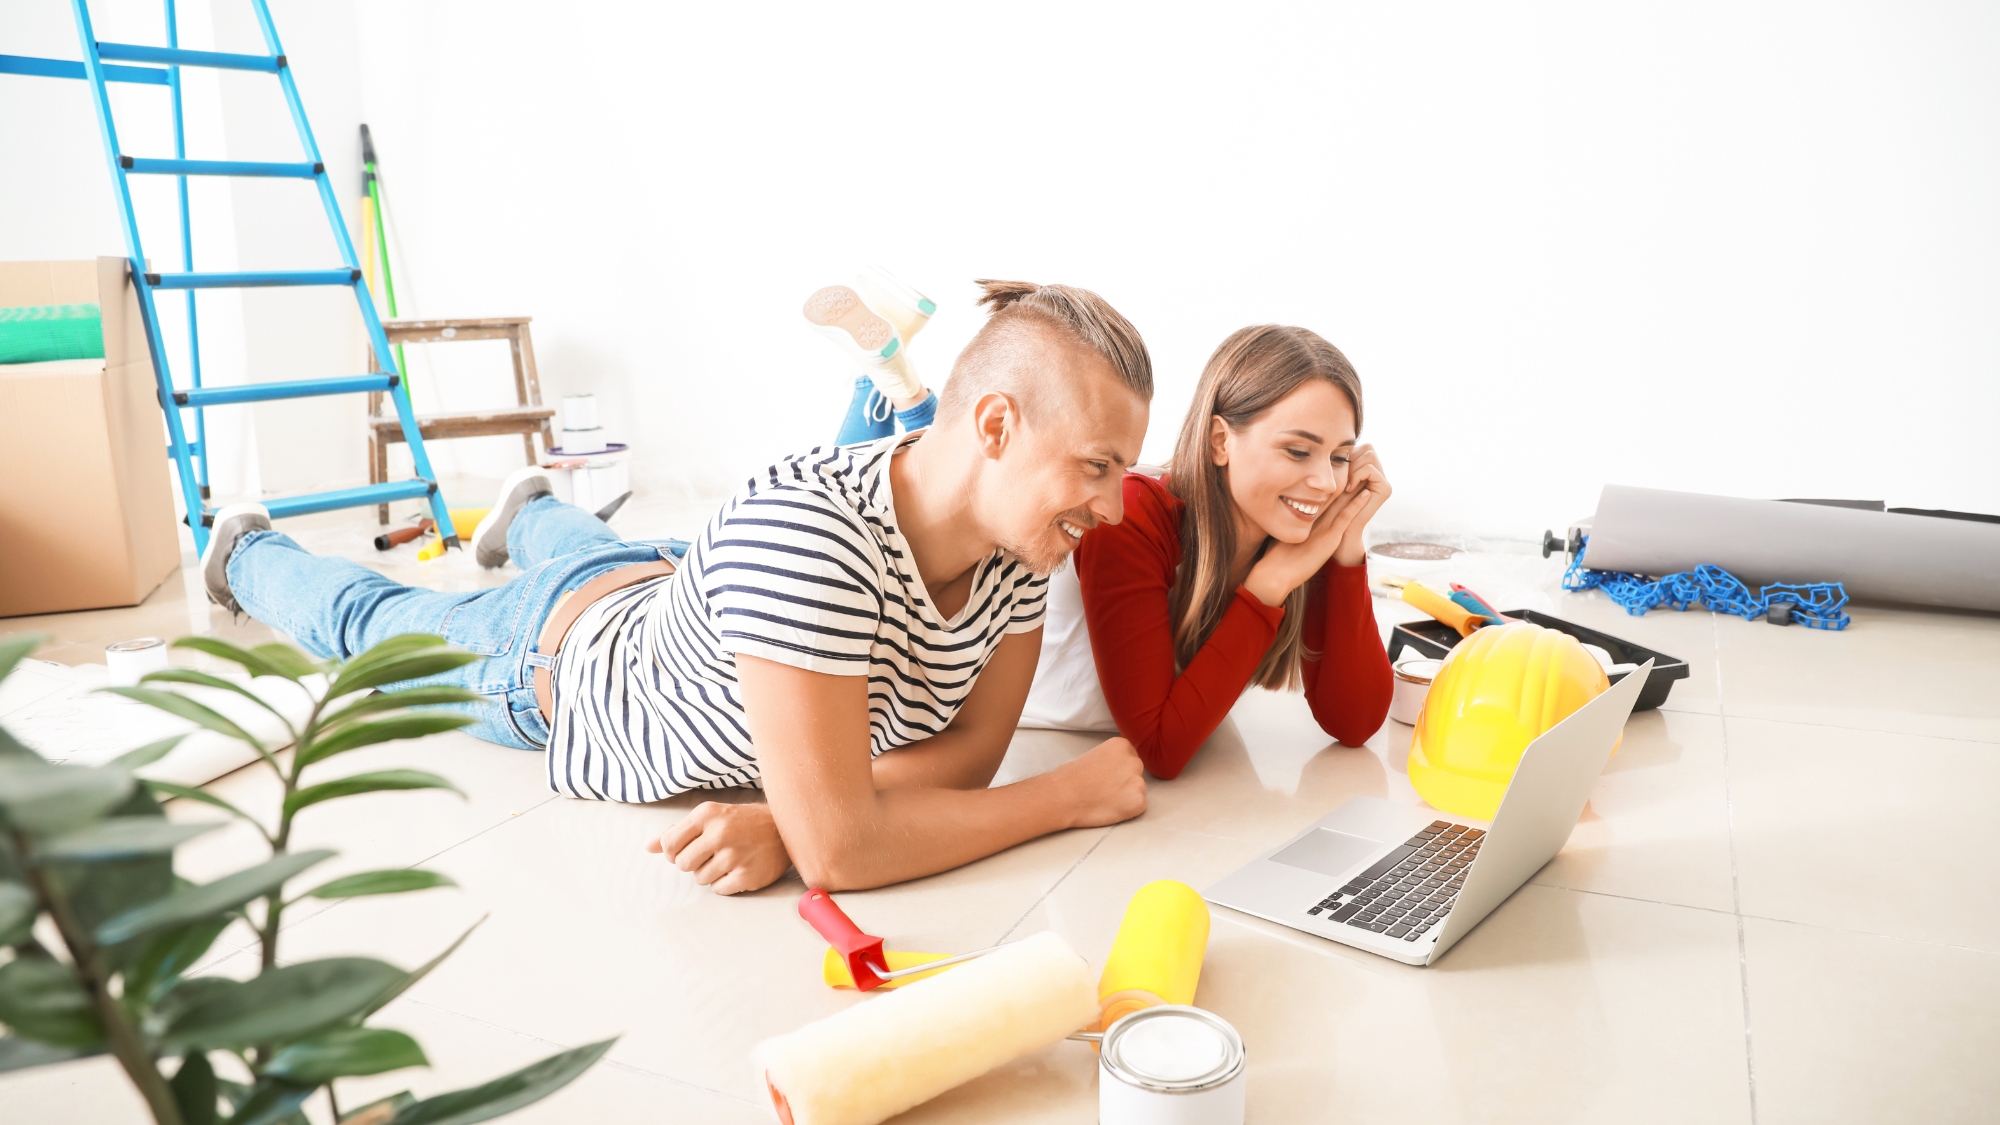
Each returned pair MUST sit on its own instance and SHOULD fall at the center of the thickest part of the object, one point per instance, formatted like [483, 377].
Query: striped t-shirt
[804, 566]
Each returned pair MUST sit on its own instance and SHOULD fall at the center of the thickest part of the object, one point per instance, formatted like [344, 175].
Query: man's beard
[1041, 561]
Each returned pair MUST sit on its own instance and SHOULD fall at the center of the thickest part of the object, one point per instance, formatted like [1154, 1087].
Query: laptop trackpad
[1327, 852]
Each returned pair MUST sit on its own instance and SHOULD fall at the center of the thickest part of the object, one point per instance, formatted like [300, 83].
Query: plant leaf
[270, 1101]
[148, 754]
[188, 995]
[192, 903]
[194, 1089]
[122, 837]
[381, 883]
[160, 964]
[189, 792]
[380, 1111]
[18, 910]
[43, 799]
[174, 703]
[397, 646]
[353, 736]
[288, 660]
[99, 889]
[11, 750]
[252, 662]
[372, 782]
[20, 1054]
[285, 1004]
[429, 696]
[420, 972]
[13, 650]
[345, 1052]
[504, 1095]
[409, 666]
[41, 1000]
[203, 679]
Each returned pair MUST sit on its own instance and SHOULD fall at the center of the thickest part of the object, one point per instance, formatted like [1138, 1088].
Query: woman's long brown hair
[1248, 374]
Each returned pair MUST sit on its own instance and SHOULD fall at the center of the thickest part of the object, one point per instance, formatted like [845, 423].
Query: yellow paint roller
[1156, 957]
[903, 1048]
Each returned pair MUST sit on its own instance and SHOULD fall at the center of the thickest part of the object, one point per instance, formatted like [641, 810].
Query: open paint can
[1413, 683]
[1171, 1065]
[129, 660]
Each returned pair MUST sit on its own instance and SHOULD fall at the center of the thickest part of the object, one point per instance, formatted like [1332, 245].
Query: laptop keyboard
[1410, 890]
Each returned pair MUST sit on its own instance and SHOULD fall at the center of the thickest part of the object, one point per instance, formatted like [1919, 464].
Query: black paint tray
[1435, 639]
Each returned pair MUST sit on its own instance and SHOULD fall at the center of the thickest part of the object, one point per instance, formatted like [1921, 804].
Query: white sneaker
[839, 314]
[489, 539]
[903, 306]
[232, 523]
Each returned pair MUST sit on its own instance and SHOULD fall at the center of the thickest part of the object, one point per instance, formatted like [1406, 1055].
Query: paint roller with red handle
[866, 961]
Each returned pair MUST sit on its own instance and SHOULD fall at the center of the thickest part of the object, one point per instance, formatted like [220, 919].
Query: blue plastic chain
[1817, 605]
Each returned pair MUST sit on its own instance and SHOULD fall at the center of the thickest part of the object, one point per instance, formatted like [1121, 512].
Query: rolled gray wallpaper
[1881, 556]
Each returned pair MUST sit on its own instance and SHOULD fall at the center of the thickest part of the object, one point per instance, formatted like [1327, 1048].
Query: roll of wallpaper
[1882, 556]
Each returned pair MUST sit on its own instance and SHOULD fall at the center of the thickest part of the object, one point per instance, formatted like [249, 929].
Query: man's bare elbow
[829, 869]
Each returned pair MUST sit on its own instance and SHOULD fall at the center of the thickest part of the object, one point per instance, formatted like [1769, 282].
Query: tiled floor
[1776, 909]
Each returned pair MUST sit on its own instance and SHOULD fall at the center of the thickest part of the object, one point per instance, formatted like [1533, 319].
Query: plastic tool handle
[863, 952]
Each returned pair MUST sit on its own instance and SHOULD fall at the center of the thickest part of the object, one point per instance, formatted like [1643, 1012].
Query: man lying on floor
[847, 602]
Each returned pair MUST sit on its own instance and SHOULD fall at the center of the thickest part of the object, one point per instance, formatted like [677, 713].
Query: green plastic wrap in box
[37, 333]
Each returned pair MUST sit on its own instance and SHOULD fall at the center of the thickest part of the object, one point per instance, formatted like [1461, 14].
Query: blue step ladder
[98, 68]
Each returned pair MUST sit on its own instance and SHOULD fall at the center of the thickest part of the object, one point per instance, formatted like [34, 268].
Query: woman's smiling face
[1288, 463]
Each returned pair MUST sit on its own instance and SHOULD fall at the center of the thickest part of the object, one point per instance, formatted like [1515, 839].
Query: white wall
[1731, 248]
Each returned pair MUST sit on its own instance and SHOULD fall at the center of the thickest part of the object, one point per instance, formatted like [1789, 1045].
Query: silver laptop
[1394, 880]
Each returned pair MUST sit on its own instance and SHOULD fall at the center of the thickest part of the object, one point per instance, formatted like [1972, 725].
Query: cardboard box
[86, 511]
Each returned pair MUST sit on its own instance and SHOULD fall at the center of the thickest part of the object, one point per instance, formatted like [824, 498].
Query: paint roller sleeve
[898, 1050]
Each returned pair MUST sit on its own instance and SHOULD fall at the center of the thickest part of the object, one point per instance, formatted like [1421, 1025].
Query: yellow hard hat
[1498, 691]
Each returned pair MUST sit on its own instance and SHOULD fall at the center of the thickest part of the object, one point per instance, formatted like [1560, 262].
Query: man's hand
[1108, 784]
[729, 848]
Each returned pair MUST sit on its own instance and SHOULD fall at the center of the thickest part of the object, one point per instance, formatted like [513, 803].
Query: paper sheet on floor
[57, 711]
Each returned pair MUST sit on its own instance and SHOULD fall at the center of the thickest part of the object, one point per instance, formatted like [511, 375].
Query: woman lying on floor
[1243, 565]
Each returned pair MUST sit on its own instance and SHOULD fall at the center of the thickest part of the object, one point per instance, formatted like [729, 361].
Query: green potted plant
[86, 855]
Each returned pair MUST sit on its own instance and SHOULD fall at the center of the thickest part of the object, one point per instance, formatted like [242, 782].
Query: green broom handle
[373, 185]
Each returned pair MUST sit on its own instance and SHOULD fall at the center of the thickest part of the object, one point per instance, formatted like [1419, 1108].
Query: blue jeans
[871, 415]
[336, 608]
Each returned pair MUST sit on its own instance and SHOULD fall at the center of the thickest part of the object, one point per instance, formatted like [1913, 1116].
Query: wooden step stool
[527, 419]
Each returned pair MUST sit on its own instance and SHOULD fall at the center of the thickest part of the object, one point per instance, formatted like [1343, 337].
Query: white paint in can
[1171, 1065]
[129, 660]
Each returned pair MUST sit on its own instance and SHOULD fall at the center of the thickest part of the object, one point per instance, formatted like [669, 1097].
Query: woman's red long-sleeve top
[1126, 570]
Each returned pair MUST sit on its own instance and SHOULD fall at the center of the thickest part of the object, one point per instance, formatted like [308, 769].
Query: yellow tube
[368, 242]
[833, 968]
[1156, 957]
[1442, 608]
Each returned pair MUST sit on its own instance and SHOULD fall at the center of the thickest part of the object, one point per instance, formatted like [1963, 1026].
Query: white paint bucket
[1171, 1065]
[129, 660]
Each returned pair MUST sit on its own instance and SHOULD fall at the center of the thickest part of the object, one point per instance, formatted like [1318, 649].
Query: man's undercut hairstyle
[1026, 317]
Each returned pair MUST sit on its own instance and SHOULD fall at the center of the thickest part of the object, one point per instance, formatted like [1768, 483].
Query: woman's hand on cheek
[1368, 484]
[1287, 566]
